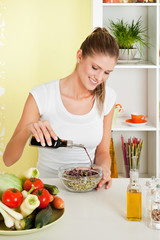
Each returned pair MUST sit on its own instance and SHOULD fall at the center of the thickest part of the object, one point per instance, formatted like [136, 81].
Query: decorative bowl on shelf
[127, 54]
[81, 177]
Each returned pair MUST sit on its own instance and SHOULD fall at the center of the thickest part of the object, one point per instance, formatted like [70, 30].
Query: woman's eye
[94, 68]
[107, 73]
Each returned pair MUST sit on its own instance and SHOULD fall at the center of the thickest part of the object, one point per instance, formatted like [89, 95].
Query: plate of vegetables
[27, 204]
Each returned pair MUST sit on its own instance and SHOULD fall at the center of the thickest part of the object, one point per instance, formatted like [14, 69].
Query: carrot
[57, 202]
[51, 198]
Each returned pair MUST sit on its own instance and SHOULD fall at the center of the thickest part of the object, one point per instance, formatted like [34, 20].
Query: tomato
[32, 181]
[43, 196]
[12, 198]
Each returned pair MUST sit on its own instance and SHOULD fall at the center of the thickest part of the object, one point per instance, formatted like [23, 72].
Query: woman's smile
[93, 81]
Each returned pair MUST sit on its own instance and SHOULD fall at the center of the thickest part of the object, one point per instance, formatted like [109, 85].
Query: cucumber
[56, 214]
[1, 217]
[28, 222]
[43, 217]
[52, 189]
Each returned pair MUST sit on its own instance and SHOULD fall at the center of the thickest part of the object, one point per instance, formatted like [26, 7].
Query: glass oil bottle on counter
[134, 194]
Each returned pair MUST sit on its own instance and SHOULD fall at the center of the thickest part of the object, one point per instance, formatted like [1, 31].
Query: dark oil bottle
[58, 143]
[55, 143]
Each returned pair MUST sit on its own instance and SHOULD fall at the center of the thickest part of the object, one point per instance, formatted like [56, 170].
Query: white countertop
[93, 216]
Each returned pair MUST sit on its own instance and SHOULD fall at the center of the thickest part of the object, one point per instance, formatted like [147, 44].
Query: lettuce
[9, 181]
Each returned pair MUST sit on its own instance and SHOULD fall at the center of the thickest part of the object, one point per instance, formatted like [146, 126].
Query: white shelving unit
[136, 84]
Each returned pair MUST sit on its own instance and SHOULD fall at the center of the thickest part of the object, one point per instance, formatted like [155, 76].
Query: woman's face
[93, 70]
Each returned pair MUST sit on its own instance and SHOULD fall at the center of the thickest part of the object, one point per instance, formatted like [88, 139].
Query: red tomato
[43, 196]
[32, 181]
[12, 197]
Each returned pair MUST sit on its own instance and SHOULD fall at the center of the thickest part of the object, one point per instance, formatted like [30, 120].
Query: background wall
[41, 40]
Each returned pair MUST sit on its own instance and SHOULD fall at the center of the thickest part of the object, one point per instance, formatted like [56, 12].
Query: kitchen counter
[93, 216]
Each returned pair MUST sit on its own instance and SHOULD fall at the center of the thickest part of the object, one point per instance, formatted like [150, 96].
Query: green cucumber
[43, 217]
[28, 222]
[56, 214]
[52, 189]
[1, 217]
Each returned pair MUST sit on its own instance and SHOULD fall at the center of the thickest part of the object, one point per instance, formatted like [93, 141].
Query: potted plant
[130, 37]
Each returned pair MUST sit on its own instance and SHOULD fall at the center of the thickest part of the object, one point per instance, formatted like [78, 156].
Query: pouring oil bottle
[134, 194]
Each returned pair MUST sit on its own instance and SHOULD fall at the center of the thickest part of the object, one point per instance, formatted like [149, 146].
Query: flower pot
[127, 54]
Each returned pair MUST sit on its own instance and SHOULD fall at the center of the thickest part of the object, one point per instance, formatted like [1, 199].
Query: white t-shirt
[84, 129]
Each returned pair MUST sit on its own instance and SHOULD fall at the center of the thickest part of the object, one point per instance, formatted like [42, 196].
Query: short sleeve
[40, 95]
[110, 100]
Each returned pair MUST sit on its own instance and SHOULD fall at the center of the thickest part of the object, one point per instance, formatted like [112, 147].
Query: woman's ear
[79, 55]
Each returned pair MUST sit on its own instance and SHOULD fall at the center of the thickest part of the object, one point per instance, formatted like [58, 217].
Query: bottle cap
[78, 145]
[69, 143]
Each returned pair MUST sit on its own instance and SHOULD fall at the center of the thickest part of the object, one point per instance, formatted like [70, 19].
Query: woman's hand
[29, 123]
[106, 179]
[42, 130]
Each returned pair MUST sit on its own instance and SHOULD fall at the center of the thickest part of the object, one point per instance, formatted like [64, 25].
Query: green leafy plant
[130, 36]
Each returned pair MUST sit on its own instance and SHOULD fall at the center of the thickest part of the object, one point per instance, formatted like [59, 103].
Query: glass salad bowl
[81, 177]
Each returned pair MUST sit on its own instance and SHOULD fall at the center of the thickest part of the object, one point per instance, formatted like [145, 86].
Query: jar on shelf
[125, 1]
[106, 1]
[140, 1]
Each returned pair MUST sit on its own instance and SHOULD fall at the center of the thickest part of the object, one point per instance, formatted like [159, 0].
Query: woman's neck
[72, 87]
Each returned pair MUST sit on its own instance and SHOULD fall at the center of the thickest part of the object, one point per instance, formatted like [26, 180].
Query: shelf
[137, 83]
[121, 125]
[129, 4]
[140, 64]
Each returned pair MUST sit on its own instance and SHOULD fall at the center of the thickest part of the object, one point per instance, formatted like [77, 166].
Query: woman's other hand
[102, 156]
[106, 180]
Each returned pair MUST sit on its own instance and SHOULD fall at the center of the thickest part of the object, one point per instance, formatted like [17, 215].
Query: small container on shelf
[118, 109]
[111, 1]
[107, 1]
[125, 1]
[140, 1]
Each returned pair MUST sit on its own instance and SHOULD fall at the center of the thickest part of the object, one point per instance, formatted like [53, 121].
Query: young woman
[78, 107]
